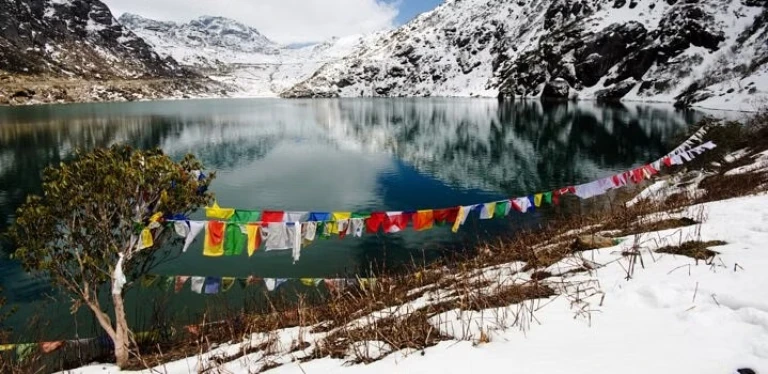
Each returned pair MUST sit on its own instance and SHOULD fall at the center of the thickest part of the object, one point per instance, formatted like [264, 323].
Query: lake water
[330, 155]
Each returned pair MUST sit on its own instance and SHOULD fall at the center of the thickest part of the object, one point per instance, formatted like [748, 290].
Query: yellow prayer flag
[146, 239]
[309, 282]
[156, 217]
[537, 199]
[217, 212]
[458, 221]
[227, 283]
[336, 217]
[252, 231]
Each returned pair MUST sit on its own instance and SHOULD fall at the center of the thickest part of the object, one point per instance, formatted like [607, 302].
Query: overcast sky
[286, 21]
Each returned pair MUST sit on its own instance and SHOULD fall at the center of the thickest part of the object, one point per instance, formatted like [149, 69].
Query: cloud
[284, 21]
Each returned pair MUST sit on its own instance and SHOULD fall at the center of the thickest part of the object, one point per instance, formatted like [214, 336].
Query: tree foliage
[93, 212]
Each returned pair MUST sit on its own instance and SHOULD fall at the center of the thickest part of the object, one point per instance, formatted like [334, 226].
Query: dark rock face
[615, 92]
[74, 38]
[620, 54]
[557, 89]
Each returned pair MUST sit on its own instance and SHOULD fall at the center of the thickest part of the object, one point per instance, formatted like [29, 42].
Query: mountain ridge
[75, 38]
[709, 53]
[204, 42]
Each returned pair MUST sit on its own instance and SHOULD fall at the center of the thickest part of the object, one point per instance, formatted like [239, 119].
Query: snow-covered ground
[259, 75]
[673, 314]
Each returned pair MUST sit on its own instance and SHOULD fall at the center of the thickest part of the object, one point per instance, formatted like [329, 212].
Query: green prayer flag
[245, 216]
[167, 282]
[148, 280]
[323, 230]
[548, 198]
[25, 350]
[501, 209]
[234, 240]
[361, 215]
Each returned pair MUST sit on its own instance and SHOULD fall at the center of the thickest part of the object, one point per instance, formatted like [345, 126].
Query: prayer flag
[214, 239]
[374, 222]
[445, 216]
[253, 237]
[246, 216]
[235, 240]
[488, 210]
[272, 216]
[423, 220]
[217, 212]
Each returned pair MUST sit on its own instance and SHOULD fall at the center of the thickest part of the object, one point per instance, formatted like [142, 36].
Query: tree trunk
[122, 338]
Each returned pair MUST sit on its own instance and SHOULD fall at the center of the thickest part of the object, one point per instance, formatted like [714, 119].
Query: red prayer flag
[374, 222]
[272, 216]
[442, 216]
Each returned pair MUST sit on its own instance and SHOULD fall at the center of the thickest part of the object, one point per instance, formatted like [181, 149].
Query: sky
[287, 21]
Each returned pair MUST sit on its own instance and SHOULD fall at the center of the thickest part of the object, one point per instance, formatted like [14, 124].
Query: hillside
[75, 50]
[710, 53]
[74, 38]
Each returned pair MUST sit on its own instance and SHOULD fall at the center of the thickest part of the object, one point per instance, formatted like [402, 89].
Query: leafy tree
[97, 221]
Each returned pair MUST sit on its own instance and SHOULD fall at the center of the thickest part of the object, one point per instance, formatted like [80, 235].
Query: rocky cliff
[704, 52]
[57, 51]
[74, 38]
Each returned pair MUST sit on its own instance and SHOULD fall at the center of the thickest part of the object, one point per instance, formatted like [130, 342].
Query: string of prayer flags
[213, 285]
[230, 230]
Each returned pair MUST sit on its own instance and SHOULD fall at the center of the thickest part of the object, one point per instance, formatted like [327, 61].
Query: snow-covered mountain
[706, 52]
[74, 38]
[239, 55]
[205, 42]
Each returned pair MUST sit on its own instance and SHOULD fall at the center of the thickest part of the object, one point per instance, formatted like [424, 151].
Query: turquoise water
[330, 155]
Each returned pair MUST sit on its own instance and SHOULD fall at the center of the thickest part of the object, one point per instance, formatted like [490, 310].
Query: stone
[556, 89]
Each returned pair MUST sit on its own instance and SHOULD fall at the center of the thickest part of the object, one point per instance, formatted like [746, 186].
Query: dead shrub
[694, 249]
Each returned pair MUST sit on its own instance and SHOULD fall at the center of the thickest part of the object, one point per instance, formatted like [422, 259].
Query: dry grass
[694, 249]
[665, 224]
[412, 332]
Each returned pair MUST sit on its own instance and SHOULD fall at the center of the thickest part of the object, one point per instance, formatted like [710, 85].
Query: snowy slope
[657, 50]
[270, 75]
[204, 42]
[237, 54]
[673, 315]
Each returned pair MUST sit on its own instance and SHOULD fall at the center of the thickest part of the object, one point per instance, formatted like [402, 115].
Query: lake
[329, 155]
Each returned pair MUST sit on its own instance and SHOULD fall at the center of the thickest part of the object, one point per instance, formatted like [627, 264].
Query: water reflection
[360, 154]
